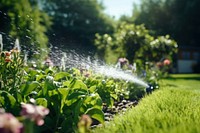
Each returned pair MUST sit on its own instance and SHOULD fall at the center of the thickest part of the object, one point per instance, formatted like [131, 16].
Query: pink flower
[34, 113]
[87, 74]
[9, 124]
[123, 61]
[166, 62]
[48, 62]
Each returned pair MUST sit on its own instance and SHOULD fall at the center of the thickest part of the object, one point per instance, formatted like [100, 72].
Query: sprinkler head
[149, 89]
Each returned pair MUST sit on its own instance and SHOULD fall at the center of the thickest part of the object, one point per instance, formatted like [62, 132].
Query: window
[196, 56]
[186, 55]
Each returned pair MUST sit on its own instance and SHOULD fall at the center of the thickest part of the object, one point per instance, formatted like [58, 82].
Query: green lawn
[175, 108]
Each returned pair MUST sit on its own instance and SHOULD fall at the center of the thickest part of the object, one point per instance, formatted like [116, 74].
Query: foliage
[67, 94]
[10, 74]
[174, 17]
[174, 108]
[135, 43]
[77, 21]
[24, 20]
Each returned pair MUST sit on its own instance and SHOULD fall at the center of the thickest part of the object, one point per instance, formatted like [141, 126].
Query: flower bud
[166, 62]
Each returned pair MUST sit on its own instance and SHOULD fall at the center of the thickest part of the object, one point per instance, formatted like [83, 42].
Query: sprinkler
[149, 89]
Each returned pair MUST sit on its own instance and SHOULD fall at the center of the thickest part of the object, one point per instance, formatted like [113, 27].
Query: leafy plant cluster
[135, 43]
[67, 94]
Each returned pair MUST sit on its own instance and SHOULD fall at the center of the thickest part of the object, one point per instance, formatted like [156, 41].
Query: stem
[57, 120]
[13, 88]
[28, 126]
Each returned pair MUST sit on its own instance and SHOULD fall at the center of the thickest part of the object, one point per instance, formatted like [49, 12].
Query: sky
[117, 8]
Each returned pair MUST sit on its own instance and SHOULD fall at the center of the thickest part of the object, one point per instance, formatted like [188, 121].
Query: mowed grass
[175, 108]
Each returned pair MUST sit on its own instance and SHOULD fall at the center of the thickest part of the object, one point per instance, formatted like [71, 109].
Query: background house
[188, 59]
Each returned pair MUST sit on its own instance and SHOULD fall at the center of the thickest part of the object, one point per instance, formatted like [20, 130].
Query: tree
[75, 22]
[24, 20]
[179, 18]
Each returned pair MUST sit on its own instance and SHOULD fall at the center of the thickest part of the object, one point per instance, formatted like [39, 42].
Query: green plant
[135, 43]
[174, 108]
[10, 70]
[67, 94]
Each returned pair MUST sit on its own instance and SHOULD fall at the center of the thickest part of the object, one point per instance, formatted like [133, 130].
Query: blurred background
[139, 30]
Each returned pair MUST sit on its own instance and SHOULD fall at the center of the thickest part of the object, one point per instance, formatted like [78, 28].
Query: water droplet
[1, 43]
[17, 46]
[28, 37]
[25, 58]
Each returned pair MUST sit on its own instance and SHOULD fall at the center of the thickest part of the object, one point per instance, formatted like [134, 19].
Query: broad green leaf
[114, 96]
[91, 97]
[98, 104]
[96, 114]
[41, 101]
[52, 93]
[33, 72]
[48, 85]
[40, 93]
[29, 87]
[76, 95]
[63, 93]
[39, 77]
[92, 89]
[22, 87]
[78, 84]
[49, 70]
[19, 97]
[66, 83]
[77, 110]
[55, 99]
[60, 75]
[7, 100]
[93, 100]
[88, 100]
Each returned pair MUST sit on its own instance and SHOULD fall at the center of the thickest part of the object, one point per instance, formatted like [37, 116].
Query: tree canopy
[24, 20]
[75, 22]
[178, 18]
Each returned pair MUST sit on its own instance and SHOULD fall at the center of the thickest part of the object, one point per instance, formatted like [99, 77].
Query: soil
[118, 108]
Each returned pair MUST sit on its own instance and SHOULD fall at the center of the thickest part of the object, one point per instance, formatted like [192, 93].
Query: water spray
[17, 46]
[1, 43]
[72, 59]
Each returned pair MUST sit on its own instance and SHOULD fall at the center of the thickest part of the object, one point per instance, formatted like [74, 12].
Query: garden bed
[173, 108]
